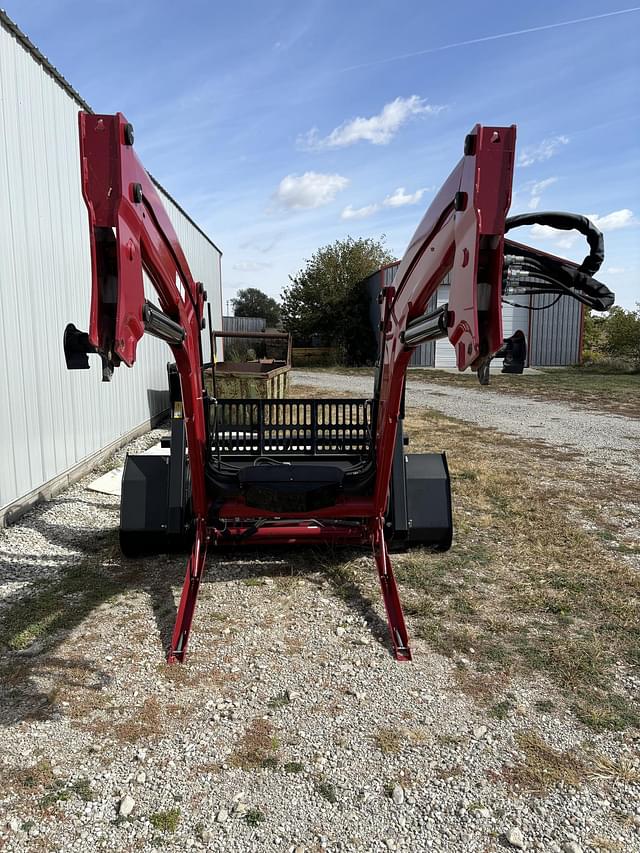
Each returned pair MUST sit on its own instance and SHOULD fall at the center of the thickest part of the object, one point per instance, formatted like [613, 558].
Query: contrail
[492, 38]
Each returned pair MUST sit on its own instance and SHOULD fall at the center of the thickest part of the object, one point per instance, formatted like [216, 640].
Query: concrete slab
[111, 482]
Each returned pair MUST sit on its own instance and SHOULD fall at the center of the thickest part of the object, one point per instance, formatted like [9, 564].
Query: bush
[613, 341]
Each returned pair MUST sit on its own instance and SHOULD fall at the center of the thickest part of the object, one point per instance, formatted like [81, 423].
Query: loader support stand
[395, 616]
[195, 571]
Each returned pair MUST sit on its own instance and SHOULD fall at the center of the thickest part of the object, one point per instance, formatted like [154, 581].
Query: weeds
[254, 817]
[327, 791]
[166, 821]
[280, 700]
[387, 740]
[543, 767]
[257, 748]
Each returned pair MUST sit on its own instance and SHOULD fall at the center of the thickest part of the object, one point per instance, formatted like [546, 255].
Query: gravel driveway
[604, 439]
[289, 729]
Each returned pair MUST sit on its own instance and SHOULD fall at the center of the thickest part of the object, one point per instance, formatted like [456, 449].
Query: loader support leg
[195, 571]
[395, 616]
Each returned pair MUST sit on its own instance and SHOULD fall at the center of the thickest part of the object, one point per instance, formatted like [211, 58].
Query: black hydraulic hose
[567, 222]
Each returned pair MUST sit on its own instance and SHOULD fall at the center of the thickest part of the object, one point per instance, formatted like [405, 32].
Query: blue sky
[284, 126]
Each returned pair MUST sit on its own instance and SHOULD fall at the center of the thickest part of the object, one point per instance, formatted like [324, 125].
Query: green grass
[280, 700]
[166, 821]
[254, 817]
[327, 791]
[55, 606]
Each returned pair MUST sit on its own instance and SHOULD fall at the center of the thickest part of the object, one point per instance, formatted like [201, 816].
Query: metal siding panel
[555, 338]
[244, 324]
[445, 355]
[52, 418]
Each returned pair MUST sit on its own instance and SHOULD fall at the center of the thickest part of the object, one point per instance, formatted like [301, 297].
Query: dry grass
[146, 722]
[526, 585]
[258, 747]
[533, 583]
[387, 740]
[543, 767]
[621, 769]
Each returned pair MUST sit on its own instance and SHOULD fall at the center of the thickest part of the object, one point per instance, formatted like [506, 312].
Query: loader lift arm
[462, 234]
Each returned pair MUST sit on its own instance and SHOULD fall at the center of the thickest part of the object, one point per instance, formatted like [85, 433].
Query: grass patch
[500, 710]
[526, 587]
[166, 821]
[254, 817]
[531, 584]
[280, 700]
[614, 391]
[37, 776]
[293, 767]
[327, 791]
[61, 791]
[543, 767]
[387, 740]
[55, 606]
[145, 722]
[257, 748]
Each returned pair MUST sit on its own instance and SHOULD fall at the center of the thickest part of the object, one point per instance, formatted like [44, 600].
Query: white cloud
[378, 129]
[312, 189]
[561, 239]
[541, 152]
[536, 192]
[567, 239]
[615, 270]
[359, 212]
[251, 266]
[614, 220]
[400, 198]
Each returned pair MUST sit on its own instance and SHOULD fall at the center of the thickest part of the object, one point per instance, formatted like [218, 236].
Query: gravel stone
[127, 804]
[515, 838]
[397, 795]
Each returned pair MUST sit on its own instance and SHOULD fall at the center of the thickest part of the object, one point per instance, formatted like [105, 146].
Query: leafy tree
[252, 302]
[326, 297]
[622, 333]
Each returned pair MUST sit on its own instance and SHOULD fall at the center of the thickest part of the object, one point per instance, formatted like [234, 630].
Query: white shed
[55, 422]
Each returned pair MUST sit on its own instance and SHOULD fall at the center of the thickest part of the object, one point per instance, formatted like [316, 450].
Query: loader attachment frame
[345, 499]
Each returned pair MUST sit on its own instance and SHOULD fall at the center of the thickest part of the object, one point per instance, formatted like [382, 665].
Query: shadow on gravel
[249, 564]
[65, 589]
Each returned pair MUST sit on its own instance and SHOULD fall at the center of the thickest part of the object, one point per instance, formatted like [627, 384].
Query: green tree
[326, 297]
[622, 334]
[252, 302]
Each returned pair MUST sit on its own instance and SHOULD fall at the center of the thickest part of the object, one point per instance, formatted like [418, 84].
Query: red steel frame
[461, 233]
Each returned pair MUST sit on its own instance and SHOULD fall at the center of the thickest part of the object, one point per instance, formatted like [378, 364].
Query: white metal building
[54, 422]
[554, 335]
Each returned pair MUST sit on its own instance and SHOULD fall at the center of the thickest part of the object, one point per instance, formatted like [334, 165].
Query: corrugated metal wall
[556, 332]
[244, 324]
[236, 347]
[51, 418]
